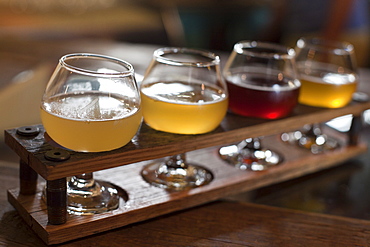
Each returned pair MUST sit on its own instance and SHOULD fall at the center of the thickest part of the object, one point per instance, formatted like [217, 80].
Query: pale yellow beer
[90, 122]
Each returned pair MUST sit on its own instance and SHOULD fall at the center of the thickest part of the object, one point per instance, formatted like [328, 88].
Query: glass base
[176, 177]
[96, 198]
[315, 143]
[250, 159]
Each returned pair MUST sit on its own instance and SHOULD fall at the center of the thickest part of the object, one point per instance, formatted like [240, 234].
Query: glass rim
[278, 51]
[63, 61]
[159, 56]
[321, 44]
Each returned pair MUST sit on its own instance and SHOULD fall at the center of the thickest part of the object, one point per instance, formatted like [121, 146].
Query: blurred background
[209, 24]
[34, 34]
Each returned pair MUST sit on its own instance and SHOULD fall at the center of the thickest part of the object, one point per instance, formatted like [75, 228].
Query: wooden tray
[142, 201]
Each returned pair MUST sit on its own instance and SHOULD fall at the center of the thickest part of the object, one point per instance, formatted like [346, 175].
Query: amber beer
[329, 90]
[90, 122]
[190, 108]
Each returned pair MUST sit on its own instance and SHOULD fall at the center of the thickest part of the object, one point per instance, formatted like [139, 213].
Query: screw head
[57, 155]
[28, 131]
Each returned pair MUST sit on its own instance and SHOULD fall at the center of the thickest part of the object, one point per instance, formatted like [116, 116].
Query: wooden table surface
[222, 223]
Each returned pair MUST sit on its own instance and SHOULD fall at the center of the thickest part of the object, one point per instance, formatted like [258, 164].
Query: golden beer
[331, 90]
[189, 109]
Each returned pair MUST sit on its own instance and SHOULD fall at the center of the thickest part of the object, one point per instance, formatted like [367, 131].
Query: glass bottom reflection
[176, 174]
[249, 155]
[88, 196]
[312, 138]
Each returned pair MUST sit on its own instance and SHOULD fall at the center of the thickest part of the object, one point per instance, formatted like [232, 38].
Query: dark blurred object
[217, 25]
[345, 20]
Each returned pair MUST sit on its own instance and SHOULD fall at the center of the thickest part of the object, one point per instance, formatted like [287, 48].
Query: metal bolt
[56, 200]
[28, 131]
[57, 155]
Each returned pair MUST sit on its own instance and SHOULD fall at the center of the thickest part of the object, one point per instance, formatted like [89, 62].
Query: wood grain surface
[221, 223]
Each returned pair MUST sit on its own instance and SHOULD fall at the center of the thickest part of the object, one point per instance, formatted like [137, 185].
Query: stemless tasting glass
[262, 82]
[328, 75]
[182, 92]
[91, 104]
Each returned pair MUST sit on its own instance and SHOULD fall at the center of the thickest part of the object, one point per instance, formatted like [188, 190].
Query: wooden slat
[150, 144]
